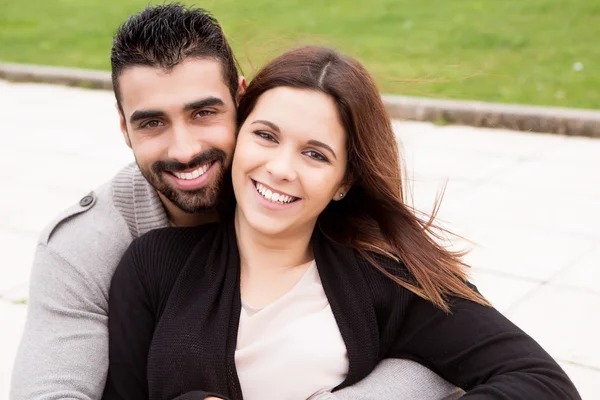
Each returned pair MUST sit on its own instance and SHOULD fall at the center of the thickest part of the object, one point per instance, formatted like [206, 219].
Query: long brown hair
[373, 218]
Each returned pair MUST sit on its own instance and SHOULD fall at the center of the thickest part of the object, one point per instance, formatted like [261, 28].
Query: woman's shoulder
[158, 239]
[156, 259]
[374, 268]
[383, 269]
[167, 249]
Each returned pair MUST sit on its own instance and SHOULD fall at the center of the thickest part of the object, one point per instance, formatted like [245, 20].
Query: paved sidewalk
[530, 202]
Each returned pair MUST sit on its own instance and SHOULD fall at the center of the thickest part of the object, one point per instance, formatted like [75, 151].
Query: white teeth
[194, 174]
[273, 196]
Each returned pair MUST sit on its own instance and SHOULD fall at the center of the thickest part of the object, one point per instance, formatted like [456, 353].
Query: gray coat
[64, 349]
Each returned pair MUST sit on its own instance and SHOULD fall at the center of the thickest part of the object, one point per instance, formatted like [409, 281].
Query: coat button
[86, 201]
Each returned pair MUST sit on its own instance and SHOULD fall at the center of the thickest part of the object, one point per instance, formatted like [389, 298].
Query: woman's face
[289, 162]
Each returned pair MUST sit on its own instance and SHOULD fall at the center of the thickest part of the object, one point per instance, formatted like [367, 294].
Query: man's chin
[188, 201]
[192, 203]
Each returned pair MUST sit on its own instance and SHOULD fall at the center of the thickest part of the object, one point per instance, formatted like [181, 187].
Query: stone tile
[527, 253]
[583, 274]
[451, 152]
[501, 290]
[580, 150]
[17, 257]
[586, 380]
[28, 212]
[411, 133]
[563, 321]
[459, 164]
[486, 141]
[16, 294]
[67, 121]
[523, 207]
[34, 202]
[12, 320]
[559, 177]
[423, 193]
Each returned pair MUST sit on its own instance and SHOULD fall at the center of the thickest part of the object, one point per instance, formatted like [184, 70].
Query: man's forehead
[157, 88]
[189, 66]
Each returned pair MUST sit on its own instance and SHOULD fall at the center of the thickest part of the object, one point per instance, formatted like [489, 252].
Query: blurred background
[516, 51]
[528, 202]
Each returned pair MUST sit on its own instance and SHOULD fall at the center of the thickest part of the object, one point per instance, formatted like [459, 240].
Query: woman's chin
[269, 226]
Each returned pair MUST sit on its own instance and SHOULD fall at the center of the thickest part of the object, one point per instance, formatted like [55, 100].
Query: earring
[341, 195]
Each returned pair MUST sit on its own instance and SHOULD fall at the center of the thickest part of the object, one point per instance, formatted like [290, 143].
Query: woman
[317, 273]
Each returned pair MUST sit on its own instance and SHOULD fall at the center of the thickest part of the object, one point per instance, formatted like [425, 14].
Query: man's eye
[266, 136]
[316, 155]
[151, 124]
[204, 113]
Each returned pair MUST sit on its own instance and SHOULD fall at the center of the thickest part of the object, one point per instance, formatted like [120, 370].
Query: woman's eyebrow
[312, 142]
[323, 146]
[267, 123]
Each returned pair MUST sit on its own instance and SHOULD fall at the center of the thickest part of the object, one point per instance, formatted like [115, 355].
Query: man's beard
[189, 201]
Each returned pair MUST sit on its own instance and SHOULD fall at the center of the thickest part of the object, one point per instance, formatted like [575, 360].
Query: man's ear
[342, 192]
[123, 125]
[242, 86]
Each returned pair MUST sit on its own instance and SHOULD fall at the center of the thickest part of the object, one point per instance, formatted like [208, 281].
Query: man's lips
[192, 173]
[193, 179]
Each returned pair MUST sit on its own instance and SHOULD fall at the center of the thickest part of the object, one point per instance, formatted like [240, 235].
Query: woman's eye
[316, 155]
[266, 136]
[151, 124]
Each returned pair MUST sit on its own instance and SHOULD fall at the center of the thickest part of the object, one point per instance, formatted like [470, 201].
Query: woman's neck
[259, 251]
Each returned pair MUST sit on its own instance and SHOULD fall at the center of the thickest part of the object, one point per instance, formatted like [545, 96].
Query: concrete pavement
[529, 202]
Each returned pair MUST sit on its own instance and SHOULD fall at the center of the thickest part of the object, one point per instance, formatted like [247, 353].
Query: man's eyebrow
[322, 145]
[267, 123]
[207, 102]
[143, 114]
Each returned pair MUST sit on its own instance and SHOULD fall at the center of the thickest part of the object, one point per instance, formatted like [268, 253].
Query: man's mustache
[206, 157]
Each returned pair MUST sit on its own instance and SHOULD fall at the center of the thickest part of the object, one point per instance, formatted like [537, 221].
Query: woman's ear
[342, 191]
[242, 86]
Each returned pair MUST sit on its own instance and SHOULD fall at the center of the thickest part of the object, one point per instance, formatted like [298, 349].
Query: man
[176, 85]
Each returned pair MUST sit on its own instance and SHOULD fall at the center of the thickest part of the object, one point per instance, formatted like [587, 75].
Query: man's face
[180, 125]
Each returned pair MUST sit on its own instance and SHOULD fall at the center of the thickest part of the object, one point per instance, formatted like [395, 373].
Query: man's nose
[185, 145]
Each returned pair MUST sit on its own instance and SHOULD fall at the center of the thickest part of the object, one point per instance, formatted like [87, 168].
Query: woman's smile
[273, 199]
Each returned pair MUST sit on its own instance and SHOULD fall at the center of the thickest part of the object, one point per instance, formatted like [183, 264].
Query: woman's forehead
[300, 111]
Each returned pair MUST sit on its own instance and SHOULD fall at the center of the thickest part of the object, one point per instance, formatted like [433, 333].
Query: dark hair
[165, 35]
[373, 218]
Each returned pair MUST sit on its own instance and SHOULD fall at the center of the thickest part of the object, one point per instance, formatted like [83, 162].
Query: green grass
[514, 51]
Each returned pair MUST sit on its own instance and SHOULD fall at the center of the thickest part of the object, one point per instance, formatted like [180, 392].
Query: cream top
[292, 348]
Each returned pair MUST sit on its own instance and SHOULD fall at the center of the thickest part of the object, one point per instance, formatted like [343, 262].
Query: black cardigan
[175, 304]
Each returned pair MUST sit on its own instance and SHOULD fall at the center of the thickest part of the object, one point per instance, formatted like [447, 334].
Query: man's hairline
[168, 70]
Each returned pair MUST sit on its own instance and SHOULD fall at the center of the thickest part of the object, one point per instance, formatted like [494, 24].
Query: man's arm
[64, 350]
[398, 379]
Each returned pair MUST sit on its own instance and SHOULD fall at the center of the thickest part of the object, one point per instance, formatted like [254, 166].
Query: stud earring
[341, 195]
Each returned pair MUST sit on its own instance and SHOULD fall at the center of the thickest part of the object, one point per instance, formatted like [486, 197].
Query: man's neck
[271, 252]
[180, 218]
